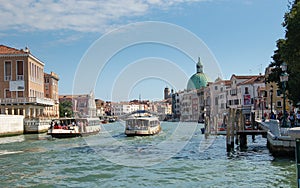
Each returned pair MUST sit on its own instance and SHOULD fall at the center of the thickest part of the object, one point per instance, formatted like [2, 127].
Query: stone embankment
[279, 141]
[11, 125]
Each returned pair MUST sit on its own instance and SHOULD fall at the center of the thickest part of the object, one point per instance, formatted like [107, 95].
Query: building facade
[22, 86]
[122, 108]
[83, 105]
[51, 91]
[100, 107]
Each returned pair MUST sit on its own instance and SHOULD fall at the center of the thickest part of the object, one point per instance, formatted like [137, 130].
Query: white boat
[74, 127]
[142, 123]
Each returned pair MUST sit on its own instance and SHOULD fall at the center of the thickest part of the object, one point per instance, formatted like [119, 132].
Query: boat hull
[71, 134]
[134, 132]
[64, 135]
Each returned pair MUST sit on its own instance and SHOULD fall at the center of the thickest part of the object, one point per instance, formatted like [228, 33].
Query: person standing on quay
[298, 117]
[292, 119]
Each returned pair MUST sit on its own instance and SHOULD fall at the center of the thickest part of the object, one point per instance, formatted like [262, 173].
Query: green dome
[197, 81]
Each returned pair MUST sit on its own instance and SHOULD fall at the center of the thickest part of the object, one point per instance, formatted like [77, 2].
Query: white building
[163, 108]
[189, 106]
[243, 90]
[122, 108]
[214, 99]
[217, 98]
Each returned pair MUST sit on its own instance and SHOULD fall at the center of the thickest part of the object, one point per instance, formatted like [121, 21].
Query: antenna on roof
[260, 69]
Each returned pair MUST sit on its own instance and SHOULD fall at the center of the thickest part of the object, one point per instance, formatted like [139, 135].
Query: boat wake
[5, 152]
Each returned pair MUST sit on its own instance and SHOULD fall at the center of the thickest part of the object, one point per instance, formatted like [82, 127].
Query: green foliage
[65, 109]
[288, 50]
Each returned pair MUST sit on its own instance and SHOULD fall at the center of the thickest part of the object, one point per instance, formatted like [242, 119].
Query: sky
[123, 49]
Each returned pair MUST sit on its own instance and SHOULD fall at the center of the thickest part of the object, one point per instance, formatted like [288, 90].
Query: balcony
[28, 100]
[7, 78]
[20, 77]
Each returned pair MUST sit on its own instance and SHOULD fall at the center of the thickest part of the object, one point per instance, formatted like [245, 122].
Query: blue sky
[240, 34]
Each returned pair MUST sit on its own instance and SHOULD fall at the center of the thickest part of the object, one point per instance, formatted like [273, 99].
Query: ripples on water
[111, 159]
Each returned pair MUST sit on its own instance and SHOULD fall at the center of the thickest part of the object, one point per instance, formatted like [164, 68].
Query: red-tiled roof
[243, 76]
[227, 82]
[254, 79]
[9, 50]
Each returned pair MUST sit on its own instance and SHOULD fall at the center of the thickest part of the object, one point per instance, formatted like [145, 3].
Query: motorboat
[142, 123]
[74, 127]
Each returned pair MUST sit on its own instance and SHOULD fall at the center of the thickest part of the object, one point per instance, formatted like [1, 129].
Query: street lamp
[284, 77]
[271, 95]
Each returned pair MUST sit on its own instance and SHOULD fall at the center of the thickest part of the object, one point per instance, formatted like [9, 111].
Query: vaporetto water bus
[74, 127]
[142, 123]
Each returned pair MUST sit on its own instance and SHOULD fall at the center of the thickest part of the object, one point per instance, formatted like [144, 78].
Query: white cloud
[76, 15]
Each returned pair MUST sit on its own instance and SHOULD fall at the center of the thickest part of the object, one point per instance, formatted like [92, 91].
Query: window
[31, 93]
[236, 101]
[34, 72]
[20, 70]
[7, 93]
[216, 87]
[216, 101]
[278, 92]
[20, 94]
[279, 104]
[7, 70]
[233, 92]
[31, 71]
[246, 90]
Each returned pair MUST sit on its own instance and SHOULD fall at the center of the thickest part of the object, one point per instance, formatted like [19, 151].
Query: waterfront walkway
[279, 140]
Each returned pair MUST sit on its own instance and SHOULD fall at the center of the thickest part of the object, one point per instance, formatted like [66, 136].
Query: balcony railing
[28, 100]
[20, 77]
[7, 78]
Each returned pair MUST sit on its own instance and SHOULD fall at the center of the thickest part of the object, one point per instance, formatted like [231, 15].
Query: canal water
[180, 156]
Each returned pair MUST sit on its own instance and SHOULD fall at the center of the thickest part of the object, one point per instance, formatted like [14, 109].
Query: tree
[65, 109]
[288, 51]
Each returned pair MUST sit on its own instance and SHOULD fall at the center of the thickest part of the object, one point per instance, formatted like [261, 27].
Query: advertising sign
[247, 99]
[17, 85]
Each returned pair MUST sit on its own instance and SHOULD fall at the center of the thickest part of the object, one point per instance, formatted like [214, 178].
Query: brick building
[22, 85]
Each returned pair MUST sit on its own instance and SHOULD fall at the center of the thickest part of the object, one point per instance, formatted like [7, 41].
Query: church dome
[199, 79]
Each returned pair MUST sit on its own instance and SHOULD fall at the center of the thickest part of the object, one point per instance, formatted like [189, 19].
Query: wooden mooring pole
[230, 131]
[298, 161]
[228, 128]
[243, 137]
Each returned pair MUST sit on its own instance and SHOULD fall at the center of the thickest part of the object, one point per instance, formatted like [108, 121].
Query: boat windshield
[140, 124]
[75, 122]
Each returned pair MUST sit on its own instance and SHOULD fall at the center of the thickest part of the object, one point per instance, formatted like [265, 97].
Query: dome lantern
[199, 79]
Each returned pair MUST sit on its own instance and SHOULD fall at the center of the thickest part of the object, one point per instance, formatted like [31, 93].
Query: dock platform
[252, 132]
[279, 141]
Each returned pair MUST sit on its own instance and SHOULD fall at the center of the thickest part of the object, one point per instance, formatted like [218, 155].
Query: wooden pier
[252, 132]
[236, 132]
